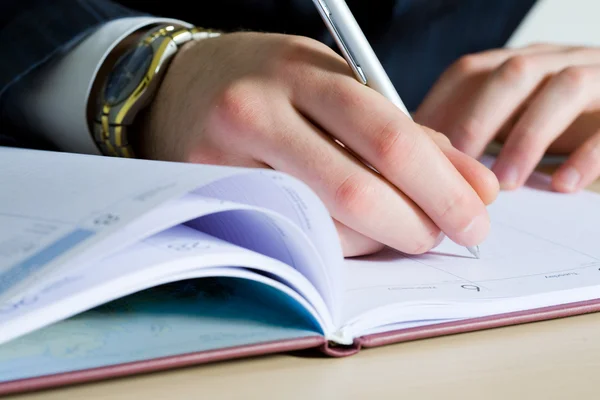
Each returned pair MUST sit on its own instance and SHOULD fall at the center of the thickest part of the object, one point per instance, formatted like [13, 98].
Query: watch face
[127, 74]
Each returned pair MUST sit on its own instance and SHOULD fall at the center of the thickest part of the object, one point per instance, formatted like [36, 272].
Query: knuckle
[354, 195]
[345, 96]
[468, 132]
[573, 78]
[425, 242]
[450, 204]
[292, 54]
[238, 111]
[515, 69]
[467, 64]
[392, 147]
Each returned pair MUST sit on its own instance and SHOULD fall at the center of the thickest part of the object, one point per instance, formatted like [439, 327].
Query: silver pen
[359, 55]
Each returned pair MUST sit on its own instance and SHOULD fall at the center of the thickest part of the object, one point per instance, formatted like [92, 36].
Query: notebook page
[55, 205]
[177, 253]
[58, 209]
[290, 199]
[540, 242]
[255, 228]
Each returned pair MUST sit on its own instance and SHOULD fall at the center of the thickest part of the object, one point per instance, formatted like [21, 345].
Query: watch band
[132, 83]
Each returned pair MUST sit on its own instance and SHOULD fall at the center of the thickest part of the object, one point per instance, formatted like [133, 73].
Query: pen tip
[474, 251]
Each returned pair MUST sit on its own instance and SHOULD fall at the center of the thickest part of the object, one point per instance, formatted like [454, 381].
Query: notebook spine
[334, 349]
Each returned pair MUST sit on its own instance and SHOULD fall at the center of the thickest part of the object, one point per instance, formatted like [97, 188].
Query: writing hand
[277, 101]
[537, 99]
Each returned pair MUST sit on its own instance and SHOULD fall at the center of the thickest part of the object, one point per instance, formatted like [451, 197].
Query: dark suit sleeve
[31, 33]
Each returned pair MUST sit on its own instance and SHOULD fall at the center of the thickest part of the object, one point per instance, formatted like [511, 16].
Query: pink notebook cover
[316, 342]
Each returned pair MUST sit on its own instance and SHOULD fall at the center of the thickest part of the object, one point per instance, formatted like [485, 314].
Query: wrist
[129, 81]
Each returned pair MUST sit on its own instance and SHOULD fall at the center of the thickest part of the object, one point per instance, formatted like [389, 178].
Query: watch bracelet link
[113, 118]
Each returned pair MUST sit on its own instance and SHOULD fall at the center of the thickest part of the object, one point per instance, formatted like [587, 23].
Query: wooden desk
[556, 359]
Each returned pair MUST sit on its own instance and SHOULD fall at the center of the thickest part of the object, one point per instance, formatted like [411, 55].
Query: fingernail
[508, 177]
[476, 231]
[569, 178]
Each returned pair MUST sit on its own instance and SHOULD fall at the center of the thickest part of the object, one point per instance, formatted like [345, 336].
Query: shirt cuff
[53, 102]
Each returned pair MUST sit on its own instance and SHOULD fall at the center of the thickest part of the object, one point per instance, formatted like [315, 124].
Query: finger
[580, 169]
[399, 149]
[567, 95]
[355, 244]
[435, 106]
[576, 134]
[481, 178]
[353, 194]
[504, 93]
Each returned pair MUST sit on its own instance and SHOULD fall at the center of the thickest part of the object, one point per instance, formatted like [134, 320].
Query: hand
[535, 99]
[277, 101]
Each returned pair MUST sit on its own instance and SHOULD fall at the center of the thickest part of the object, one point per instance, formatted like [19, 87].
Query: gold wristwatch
[132, 83]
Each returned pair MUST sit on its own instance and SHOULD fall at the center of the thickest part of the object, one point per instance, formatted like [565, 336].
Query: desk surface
[551, 359]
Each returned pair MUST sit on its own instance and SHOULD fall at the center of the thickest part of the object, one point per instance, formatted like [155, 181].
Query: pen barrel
[377, 78]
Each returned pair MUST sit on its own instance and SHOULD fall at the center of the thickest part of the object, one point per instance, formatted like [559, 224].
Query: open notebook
[111, 267]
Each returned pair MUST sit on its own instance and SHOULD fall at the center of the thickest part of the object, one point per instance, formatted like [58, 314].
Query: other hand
[537, 99]
[278, 101]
